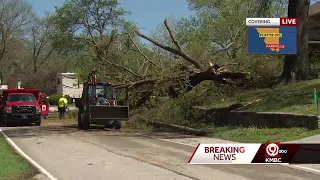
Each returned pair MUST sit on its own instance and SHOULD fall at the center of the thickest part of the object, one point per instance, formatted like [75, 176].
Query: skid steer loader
[98, 105]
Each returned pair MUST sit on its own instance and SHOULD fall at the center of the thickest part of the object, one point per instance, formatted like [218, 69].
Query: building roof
[314, 9]
[314, 25]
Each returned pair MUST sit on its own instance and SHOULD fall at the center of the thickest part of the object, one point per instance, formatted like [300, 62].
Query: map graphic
[272, 40]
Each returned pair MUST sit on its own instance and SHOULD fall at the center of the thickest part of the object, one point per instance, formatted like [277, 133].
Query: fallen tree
[228, 108]
[220, 113]
[187, 75]
[198, 132]
[196, 73]
[241, 104]
[199, 72]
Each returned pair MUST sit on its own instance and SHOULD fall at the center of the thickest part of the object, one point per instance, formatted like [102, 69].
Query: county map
[272, 40]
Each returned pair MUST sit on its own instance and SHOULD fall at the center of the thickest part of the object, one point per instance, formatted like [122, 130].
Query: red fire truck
[23, 106]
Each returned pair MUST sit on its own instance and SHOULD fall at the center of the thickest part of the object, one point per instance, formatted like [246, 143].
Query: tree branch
[178, 52]
[139, 50]
[172, 36]
[132, 85]
[122, 67]
[223, 49]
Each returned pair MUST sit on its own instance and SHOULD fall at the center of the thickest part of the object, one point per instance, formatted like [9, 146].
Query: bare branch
[177, 52]
[122, 67]
[138, 49]
[171, 35]
[132, 85]
[223, 49]
[146, 70]
[111, 40]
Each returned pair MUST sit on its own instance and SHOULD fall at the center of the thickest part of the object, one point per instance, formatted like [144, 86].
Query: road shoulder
[12, 164]
[68, 158]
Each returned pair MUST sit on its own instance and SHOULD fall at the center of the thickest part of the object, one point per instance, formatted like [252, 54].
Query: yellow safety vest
[62, 102]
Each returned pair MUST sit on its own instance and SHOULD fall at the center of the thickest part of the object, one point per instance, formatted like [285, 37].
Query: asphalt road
[69, 154]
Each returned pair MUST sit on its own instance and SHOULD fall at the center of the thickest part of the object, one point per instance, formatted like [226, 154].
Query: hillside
[292, 98]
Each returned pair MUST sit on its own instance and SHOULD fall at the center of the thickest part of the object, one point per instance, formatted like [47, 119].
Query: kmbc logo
[274, 152]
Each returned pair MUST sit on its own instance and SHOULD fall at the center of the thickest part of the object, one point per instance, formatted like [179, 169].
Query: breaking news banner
[272, 22]
[252, 153]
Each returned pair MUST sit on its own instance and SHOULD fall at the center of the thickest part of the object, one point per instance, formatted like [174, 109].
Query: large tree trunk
[300, 62]
[1, 78]
[289, 63]
[35, 69]
[302, 66]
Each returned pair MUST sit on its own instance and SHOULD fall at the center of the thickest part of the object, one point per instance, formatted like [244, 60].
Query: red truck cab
[23, 106]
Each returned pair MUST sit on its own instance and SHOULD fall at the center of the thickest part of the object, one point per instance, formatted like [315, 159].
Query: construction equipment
[98, 105]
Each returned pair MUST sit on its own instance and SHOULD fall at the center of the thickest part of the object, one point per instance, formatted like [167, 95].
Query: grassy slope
[255, 135]
[293, 98]
[13, 166]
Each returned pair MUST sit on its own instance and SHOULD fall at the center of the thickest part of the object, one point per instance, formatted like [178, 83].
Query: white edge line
[35, 164]
[287, 165]
[241, 163]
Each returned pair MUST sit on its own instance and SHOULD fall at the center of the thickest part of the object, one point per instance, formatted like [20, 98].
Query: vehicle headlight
[9, 109]
[38, 109]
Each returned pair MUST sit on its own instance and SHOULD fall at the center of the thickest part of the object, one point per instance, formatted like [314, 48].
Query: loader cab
[104, 90]
[92, 90]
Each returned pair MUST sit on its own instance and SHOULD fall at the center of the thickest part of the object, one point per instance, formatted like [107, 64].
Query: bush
[179, 110]
[121, 102]
[54, 98]
[72, 114]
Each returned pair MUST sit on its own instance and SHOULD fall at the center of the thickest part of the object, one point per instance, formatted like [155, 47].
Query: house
[68, 84]
[314, 25]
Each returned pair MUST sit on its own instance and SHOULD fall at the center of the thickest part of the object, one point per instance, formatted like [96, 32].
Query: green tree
[98, 27]
[39, 44]
[15, 16]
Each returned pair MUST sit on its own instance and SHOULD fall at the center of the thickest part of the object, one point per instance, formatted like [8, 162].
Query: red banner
[288, 153]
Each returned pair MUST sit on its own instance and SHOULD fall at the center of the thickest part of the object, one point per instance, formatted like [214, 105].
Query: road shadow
[129, 132]
[101, 131]
[46, 131]
[21, 125]
[167, 135]
[35, 131]
[60, 128]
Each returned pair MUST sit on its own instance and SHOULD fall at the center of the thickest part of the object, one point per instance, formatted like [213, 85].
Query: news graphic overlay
[272, 149]
[272, 35]
[224, 153]
[274, 152]
[253, 153]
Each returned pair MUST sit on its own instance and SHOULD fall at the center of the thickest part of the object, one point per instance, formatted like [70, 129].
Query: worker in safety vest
[62, 106]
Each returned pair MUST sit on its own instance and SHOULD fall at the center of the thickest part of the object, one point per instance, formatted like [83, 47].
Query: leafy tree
[89, 24]
[97, 32]
[39, 43]
[15, 16]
